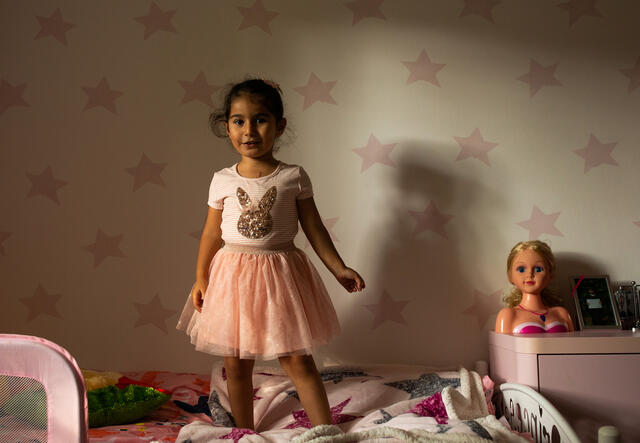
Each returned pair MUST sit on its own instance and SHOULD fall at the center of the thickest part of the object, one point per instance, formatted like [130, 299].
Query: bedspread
[367, 403]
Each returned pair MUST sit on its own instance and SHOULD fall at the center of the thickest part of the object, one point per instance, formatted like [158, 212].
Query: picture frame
[595, 304]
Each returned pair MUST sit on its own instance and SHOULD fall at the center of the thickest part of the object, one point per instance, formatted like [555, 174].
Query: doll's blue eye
[520, 269]
[538, 269]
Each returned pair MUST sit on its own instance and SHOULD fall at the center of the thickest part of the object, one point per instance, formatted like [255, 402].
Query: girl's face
[529, 272]
[252, 128]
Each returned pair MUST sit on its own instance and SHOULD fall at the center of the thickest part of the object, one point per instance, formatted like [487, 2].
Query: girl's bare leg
[306, 378]
[240, 389]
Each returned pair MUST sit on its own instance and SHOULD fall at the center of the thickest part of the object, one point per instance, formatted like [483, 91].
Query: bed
[368, 403]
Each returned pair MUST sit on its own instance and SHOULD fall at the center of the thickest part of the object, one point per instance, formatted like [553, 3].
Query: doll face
[529, 272]
[252, 128]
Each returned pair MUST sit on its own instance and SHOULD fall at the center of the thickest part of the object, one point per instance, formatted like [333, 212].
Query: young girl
[532, 308]
[256, 294]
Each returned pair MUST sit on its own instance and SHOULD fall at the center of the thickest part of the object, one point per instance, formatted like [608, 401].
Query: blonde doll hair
[513, 296]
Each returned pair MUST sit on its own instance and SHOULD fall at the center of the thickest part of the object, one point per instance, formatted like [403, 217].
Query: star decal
[483, 8]
[3, 237]
[101, 95]
[424, 386]
[258, 16]
[146, 172]
[339, 374]
[423, 69]
[11, 96]
[199, 89]
[540, 223]
[365, 8]
[484, 306]
[153, 313]
[633, 74]
[431, 219]
[579, 8]
[236, 434]
[302, 420]
[156, 20]
[375, 152]
[474, 146]
[316, 91]
[105, 246]
[41, 303]
[54, 26]
[635, 223]
[539, 76]
[596, 153]
[45, 184]
[387, 309]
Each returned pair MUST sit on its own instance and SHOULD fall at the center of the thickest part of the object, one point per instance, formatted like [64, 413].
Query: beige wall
[532, 170]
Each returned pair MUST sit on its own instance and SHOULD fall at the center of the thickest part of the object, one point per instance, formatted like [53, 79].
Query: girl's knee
[237, 368]
[298, 366]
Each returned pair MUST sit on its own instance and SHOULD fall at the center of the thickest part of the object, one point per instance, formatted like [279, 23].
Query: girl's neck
[533, 302]
[257, 167]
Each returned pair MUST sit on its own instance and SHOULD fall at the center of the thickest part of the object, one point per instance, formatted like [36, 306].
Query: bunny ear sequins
[243, 198]
[268, 199]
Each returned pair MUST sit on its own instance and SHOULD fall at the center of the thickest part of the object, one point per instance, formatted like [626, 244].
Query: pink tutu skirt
[261, 304]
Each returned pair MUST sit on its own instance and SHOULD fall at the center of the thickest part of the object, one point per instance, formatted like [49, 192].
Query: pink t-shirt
[259, 212]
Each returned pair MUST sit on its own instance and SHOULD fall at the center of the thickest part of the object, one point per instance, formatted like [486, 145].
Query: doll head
[514, 295]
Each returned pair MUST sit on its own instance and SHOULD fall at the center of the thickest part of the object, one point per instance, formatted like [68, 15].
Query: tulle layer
[261, 304]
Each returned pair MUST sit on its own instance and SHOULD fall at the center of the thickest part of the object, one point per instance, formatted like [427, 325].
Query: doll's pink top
[291, 182]
[536, 328]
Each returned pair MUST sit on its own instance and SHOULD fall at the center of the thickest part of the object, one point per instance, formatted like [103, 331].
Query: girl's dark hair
[267, 93]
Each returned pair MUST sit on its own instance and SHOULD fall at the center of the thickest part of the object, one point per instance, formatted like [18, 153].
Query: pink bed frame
[52, 366]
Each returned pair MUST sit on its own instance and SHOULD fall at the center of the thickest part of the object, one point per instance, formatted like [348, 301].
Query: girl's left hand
[350, 279]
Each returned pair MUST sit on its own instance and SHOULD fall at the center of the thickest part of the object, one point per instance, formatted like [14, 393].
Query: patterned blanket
[367, 403]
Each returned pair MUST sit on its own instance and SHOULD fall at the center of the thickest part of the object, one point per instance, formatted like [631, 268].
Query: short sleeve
[305, 190]
[215, 194]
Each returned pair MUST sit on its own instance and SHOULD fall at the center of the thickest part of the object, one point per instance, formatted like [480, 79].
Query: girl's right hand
[197, 294]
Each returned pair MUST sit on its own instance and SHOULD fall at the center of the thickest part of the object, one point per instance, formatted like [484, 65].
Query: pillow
[113, 406]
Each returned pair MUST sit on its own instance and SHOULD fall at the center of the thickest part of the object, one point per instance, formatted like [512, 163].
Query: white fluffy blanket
[370, 403]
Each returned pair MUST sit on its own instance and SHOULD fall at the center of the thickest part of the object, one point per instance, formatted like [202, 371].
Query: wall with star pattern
[437, 135]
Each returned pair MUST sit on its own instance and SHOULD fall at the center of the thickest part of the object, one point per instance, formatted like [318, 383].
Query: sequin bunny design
[256, 223]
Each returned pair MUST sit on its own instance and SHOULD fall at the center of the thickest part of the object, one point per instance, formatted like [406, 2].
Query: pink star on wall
[596, 153]
[302, 420]
[387, 309]
[101, 95]
[236, 434]
[3, 237]
[540, 223]
[199, 89]
[580, 8]
[484, 306]
[483, 8]
[54, 26]
[105, 246]
[156, 20]
[11, 96]
[146, 172]
[633, 74]
[474, 146]
[539, 76]
[153, 313]
[41, 303]
[637, 223]
[258, 16]
[431, 219]
[375, 152]
[365, 8]
[423, 69]
[316, 91]
[45, 184]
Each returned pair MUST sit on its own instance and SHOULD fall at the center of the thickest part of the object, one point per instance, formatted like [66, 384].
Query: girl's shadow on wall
[416, 241]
